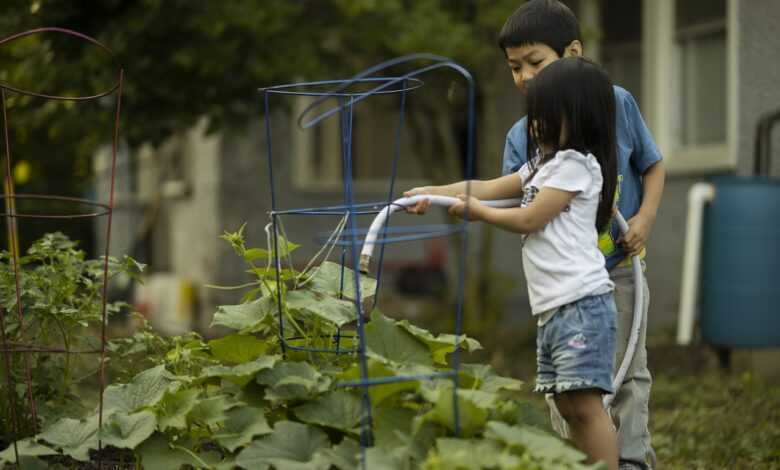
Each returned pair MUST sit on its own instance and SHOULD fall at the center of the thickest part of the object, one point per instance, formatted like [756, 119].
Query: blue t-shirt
[636, 152]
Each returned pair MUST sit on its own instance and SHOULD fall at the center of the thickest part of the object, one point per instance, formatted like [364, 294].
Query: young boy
[535, 35]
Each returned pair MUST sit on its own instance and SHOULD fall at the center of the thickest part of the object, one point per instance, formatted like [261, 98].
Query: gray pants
[629, 410]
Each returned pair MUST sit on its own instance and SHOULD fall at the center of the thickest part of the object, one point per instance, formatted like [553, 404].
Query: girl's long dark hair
[577, 94]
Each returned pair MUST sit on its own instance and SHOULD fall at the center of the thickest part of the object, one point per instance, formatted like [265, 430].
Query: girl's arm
[546, 205]
[504, 187]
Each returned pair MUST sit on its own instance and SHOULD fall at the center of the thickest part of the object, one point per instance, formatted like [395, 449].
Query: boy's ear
[574, 49]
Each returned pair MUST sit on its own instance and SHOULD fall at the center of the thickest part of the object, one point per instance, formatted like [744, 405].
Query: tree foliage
[187, 59]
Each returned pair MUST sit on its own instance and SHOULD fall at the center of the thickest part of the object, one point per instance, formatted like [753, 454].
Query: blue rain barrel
[740, 283]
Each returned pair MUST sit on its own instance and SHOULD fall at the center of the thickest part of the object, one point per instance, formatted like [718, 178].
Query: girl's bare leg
[590, 428]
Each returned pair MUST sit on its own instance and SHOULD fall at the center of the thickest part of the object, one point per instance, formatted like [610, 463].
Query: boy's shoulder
[624, 99]
[518, 130]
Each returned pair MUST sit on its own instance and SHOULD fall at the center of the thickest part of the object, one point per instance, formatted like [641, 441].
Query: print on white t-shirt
[562, 261]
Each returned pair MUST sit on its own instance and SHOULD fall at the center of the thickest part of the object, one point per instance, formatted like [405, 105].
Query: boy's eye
[536, 63]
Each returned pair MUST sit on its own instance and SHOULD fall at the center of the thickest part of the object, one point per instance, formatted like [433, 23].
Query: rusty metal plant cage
[77, 209]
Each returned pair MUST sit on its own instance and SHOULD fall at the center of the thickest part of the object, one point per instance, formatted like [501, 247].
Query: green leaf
[212, 411]
[126, 431]
[245, 317]
[241, 426]
[335, 311]
[292, 446]
[256, 253]
[485, 400]
[337, 409]
[378, 458]
[344, 456]
[471, 417]
[26, 448]
[488, 380]
[292, 380]
[145, 390]
[442, 344]
[391, 426]
[174, 407]
[285, 246]
[386, 340]
[74, 437]
[465, 454]
[241, 374]
[546, 449]
[157, 453]
[237, 348]
[378, 369]
[327, 280]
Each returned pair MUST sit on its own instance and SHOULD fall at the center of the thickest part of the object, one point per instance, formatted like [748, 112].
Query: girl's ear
[574, 49]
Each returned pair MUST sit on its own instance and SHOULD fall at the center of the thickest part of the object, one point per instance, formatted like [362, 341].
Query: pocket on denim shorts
[598, 311]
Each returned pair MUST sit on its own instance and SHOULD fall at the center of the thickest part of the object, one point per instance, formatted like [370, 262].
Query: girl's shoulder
[572, 158]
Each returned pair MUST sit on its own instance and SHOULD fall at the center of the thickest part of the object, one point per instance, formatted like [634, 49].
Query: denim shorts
[575, 349]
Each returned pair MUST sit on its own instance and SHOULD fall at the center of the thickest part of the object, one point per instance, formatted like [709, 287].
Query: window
[700, 30]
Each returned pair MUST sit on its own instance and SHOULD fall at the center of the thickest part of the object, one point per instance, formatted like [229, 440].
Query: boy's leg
[590, 428]
[630, 408]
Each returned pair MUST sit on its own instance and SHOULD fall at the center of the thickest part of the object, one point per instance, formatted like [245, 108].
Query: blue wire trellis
[350, 240]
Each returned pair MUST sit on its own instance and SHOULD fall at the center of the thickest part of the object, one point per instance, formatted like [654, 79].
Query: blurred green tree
[186, 59]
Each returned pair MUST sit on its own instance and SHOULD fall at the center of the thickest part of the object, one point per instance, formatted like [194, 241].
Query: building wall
[759, 75]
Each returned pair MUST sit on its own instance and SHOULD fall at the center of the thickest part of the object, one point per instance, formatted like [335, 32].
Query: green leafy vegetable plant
[241, 401]
[61, 298]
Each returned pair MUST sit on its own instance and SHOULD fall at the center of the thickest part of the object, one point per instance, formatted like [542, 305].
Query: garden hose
[447, 201]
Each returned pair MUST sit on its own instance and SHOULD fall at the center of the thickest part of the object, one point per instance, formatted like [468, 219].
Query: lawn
[701, 418]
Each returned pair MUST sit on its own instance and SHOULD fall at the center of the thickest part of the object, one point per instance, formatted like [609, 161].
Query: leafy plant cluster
[61, 297]
[240, 401]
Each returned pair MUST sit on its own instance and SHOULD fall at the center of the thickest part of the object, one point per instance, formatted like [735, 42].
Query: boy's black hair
[547, 22]
[576, 93]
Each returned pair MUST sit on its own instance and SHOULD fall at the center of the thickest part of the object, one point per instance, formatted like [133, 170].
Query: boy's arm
[647, 159]
[640, 225]
[514, 148]
[546, 205]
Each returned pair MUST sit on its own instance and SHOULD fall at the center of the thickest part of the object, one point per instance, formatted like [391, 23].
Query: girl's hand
[422, 205]
[475, 207]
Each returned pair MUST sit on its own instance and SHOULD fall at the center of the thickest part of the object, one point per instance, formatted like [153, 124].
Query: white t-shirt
[562, 261]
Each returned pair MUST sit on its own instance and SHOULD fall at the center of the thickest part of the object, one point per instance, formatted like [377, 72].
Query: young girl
[567, 190]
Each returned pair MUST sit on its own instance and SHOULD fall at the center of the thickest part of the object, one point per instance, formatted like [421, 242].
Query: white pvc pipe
[698, 196]
[636, 324]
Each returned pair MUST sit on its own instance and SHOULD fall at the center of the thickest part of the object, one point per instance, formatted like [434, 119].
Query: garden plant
[239, 401]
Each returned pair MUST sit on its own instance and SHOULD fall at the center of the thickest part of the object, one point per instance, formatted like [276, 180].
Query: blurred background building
[704, 73]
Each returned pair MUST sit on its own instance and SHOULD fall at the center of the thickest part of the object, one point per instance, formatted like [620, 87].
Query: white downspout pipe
[698, 196]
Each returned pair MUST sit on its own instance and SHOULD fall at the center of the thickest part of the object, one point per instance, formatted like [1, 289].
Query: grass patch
[715, 420]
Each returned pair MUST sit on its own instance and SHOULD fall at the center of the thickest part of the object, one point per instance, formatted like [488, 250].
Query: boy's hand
[422, 205]
[475, 207]
[638, 230]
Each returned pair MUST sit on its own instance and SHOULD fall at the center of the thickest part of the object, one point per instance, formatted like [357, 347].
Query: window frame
[662, 89]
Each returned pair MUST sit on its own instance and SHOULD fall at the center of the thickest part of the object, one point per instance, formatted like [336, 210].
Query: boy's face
[529, 59]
